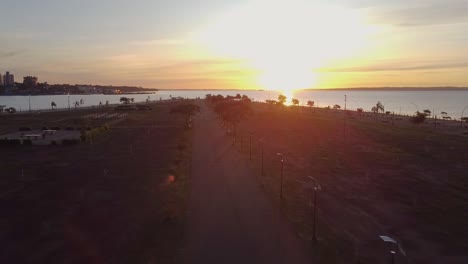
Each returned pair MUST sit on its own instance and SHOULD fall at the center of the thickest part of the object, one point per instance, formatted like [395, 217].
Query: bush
[69, 142]
[25, 129]
[27, 142]
[92, 133]
[10, 142]
[53, 142]
[418, 118]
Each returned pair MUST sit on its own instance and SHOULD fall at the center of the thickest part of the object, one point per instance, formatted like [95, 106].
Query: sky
[243, 44]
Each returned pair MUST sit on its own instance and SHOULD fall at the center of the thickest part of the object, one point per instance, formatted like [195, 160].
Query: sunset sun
[289, 43]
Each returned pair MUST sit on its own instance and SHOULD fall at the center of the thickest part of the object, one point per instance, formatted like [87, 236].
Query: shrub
[27, 142]
[53, 142]
[69, 142]
[10, 142]
[418, 118]
[25, 129]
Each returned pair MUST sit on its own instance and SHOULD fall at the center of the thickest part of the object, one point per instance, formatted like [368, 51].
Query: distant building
[1, 80]
[30, 81]
[8, 79]
[89, 89]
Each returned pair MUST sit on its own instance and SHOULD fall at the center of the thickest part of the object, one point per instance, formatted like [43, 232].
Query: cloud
[450, 12]
[400, 67]
[159, 42]
[10, 54]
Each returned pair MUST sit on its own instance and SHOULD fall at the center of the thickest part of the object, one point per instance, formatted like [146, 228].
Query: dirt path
[230, 219]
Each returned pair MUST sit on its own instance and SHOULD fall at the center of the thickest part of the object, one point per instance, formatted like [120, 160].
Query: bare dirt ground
[230, 219]
[117, 200]
[405, 181]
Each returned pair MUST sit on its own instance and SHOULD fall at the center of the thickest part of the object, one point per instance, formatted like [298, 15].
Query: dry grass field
[117, 199]
[402, 180]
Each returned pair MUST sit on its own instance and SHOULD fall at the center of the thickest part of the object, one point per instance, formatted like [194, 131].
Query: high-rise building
[8, 79]
[1, 80]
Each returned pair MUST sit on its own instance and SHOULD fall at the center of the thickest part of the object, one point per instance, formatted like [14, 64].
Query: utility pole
[316, 188]
[344, 122]
[281, 156]
[250, 146]
[262, 159]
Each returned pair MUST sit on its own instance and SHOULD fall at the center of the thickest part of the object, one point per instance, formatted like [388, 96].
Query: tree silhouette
[427, 112]
[336, 107]
[310, 103]
[53, 105]
[282, 99]
[295, 101]
[187, 110]
[125, 100]
[233, 112]
[379, 107]
[418, 118]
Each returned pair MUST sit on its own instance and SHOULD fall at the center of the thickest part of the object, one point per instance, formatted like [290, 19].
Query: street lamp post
[250, 146]
[29, 102]
[262, 159]
[344, 120]
[461, 118]
[316, 188]
[242, 143]
[281, 177]
[391, 251]
[417, 108]
[68, 101]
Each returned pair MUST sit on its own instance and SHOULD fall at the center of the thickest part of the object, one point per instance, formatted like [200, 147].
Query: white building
[90, 89]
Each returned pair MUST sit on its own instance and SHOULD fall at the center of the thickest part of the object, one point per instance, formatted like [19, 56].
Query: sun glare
[286, 41]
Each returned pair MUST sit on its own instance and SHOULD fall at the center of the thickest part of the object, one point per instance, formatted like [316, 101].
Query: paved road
[230, 219]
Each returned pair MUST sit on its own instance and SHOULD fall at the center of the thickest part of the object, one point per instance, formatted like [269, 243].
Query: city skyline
[220, 44]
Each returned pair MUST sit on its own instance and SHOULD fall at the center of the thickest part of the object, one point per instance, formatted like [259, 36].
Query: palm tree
[380, 107]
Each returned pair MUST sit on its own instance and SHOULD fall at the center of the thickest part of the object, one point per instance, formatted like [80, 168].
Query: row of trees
[231, 109]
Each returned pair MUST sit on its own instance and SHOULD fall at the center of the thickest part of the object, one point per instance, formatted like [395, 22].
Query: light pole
[461, 118]
[417, 108]
[68, 101]
[281, 156]
[260, 142]
[344, 120]
[242, 143]
[250, 146]
[391, 251]
[316, 188]
[29, 102]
